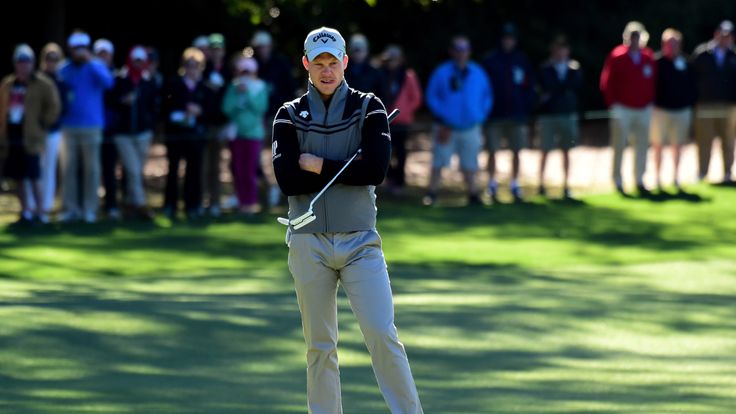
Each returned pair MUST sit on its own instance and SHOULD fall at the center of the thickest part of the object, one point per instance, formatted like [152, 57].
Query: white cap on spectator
[726, 27]
[23, 52]
[103, 45]
[261, 38]
[79, 39]
[358, 42]
[138, 53]
[247, 64]
[635, 26]
[201, 41]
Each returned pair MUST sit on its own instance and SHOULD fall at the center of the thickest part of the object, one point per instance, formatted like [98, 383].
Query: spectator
[216, 76]
[560, 80]
[105, 52]
[29, 104]
[202, 43]
[714, 63]
[460, 97]
[245, 103]
[402, 91]
[134, 100]
[359, 73]
[185, 134]
[52, 57]
[510, 74]
[274, 68]
[86, 79]
[673, 101]
[628, 85]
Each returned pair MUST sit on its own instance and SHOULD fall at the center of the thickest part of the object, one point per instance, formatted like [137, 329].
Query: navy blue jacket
[512, 77]
[559, 96]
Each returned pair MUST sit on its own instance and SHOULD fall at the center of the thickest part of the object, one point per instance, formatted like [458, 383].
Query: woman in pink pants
[245, 103]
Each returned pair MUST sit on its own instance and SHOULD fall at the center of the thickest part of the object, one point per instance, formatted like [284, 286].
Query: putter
[308, 217]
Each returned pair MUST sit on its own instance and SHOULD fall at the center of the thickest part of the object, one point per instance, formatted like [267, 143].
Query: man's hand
[311, 163]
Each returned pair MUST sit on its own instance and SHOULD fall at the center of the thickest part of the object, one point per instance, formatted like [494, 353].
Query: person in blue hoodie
[86, 79]
[460, 97]
[511, 76]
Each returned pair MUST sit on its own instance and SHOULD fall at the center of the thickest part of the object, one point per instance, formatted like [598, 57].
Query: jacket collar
[336, 106]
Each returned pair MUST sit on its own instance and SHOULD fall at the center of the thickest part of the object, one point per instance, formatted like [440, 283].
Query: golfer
[312, 138]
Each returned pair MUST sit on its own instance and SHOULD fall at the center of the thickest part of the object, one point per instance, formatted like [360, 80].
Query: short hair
[192, 53]
[670, 33]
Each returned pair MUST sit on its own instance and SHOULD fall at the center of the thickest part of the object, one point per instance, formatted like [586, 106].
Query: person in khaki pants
[341, 246]
[715, 111]
[628, 85]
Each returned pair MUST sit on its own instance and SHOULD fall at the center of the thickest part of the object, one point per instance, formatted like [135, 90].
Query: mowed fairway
[609, 306]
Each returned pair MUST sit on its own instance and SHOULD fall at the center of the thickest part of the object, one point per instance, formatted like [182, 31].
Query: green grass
[613, 305]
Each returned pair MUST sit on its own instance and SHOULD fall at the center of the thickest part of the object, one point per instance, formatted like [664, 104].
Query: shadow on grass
[481, 339]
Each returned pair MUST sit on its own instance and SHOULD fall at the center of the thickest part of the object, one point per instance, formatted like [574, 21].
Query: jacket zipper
[324, 144]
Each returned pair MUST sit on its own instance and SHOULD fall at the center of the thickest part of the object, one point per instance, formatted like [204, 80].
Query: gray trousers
[133, 151]
[317, 262]
[84, 143]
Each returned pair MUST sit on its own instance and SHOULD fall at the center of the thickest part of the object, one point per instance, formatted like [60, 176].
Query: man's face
[508, 43]
[671, 47]
[139, 64]
[217, 53]
[52, 62]
[326, 72]
[724, 39]
[634, 40]
[192, 69]
[80, 54]
[23, 68]
[460, 51]
[263, 51]
[560, 53]
[359, 54]
[105, 57]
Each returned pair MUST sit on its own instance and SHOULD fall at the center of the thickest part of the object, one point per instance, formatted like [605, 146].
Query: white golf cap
[324, 40]
[23, 53]
[358, 41]
[78, 39]
[138, 53]
[261, 38]
[103, 45]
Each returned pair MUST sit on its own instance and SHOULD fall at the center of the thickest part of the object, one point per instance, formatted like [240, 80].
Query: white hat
[634, 26]
[139, 53]
[79, 39]
[261, 38]
[247, 64]
[358, 42]
[323, 40]
[23, 52]
[103, 45]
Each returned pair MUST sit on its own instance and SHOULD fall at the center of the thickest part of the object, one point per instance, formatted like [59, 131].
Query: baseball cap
[23, 53]
[261, 38]
[79, 39]
[323, 40]
[103, 45]
[726, 27]
[138, 53]
[201, 41]
[216, 40]
[358, 42]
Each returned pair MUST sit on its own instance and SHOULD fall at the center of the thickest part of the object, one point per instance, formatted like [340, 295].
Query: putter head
[304, 221]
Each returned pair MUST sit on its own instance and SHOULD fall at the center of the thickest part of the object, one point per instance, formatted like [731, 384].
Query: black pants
[399, 135]
[192, 152]
[109, 160]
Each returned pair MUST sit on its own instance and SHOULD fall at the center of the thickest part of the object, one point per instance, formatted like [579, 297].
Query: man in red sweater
[628, 86]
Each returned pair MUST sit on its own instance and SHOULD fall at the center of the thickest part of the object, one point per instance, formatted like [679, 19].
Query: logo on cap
[325, 37]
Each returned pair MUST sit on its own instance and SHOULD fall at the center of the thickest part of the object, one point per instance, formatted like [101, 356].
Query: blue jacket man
[460, 97]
